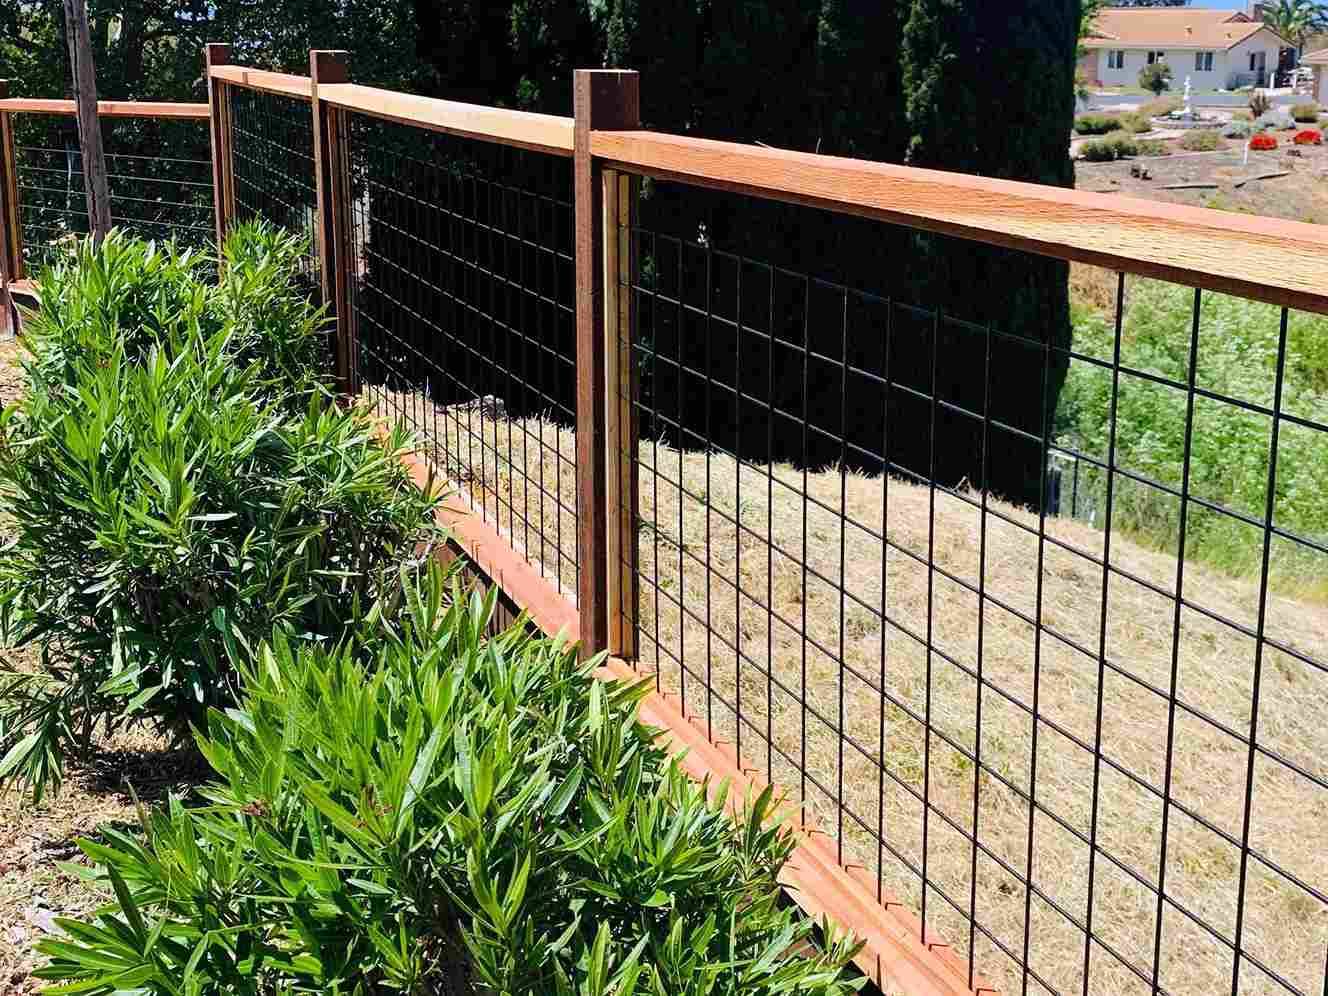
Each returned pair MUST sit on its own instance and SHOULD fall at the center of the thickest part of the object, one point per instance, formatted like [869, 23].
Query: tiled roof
[1170, 27]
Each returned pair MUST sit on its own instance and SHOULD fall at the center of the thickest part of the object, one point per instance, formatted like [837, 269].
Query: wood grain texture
[219, 135]
[96, 187]
[601, 98]
[260, 79]
[106, 108]
[1267, 259]
[538, 132]
[621, 500]
[11, 222]
[332, 183]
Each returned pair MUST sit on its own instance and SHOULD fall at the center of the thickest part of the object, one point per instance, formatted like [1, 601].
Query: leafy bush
[1152, 147]
[1095, 124]
[1277, 120]
[1310, 136]
[1135, 123]
[1260, 104]
[1201, 140]
[425, 810]
[1117, 145]
[128, 294]
[1306, 113]
[1237, 358]
[1263, 142]
[168, 510]
[1156, 78]
[1238, 129]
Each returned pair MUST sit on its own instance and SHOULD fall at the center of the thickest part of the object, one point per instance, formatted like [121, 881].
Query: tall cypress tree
[990, 91]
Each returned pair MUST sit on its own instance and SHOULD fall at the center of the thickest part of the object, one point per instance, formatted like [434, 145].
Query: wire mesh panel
[152, 196]
[464, 318]
[272, 145]
[1089, 753]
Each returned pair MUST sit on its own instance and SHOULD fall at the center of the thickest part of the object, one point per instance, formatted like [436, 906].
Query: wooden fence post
[332, 180]
[605, 100]
[223, 162]
[11, 232]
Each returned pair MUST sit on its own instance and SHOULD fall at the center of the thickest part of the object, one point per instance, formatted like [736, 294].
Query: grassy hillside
[1230, 446]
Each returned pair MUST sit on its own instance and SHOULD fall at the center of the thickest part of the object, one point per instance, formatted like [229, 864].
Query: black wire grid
[464, 317]
[272, 149]
[154, 197]
[900, 657]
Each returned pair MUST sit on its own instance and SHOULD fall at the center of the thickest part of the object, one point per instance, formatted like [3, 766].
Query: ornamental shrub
[1306, 113]
[1201, 140]
[1310, 136]
[1158, 107]
[422, 809]
[1096, 124]
[168, 508]
[1238, 129]
[1263, 142]
[1156, 78]
[1135, 123]
[1117, 145]
[1152, 147]
[1276, 120]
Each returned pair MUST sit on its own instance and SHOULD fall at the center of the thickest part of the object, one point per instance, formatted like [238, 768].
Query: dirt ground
[1302, 195]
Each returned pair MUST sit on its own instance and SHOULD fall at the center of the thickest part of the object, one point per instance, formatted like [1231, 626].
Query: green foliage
[1156, 78]
[1238, 129]
[169, 506]
[1135, 123]
[1201, 140]
[131, 295]
[1238, 350]
[1096, 124]
[423, 809]
[1295, 20]
[1117, 145]
[1306, 113]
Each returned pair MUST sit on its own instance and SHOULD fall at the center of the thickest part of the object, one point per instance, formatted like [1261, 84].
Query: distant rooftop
[1170, 27]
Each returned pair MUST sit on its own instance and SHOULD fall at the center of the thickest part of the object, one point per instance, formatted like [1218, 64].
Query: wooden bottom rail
[894, 956]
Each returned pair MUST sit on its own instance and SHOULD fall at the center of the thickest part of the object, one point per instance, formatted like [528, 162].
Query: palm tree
[1296, 20]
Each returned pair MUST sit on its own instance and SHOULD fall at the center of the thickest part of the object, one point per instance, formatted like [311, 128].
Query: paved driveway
[1227, 100]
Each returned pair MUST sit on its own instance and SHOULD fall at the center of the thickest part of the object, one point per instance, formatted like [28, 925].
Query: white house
[1217, 49]
[1319, 61]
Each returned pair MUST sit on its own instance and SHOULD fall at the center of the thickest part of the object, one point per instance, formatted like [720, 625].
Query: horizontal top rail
[260, 79]
[538, 132]
[1267, 259]
[106, 108]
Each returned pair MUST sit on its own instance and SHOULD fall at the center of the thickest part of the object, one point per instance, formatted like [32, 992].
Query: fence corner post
[219, 131]
[11, 232]
[602, 99]
[332, 183]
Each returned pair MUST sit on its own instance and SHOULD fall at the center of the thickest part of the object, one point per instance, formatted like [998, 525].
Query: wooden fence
[1279, 262]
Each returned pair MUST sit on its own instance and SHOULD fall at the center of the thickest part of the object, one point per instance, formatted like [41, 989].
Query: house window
[1115, 59]
[1156, 57]
[1203, 62]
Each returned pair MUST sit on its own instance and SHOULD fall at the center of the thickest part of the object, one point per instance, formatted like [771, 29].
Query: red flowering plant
[1262, 142]
[1310, 136]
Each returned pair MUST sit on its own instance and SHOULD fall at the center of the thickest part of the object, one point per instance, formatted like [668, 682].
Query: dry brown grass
[745, 652]
[38, 843]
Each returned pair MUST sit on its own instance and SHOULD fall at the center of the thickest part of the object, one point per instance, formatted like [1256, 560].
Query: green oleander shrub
[170, 506]
[424, 809]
